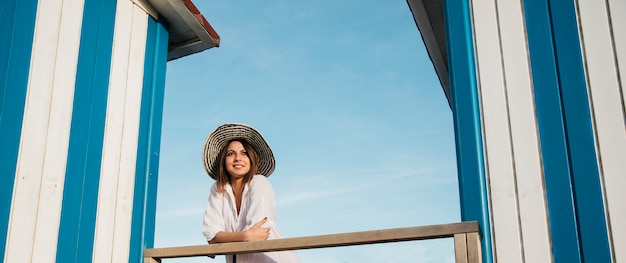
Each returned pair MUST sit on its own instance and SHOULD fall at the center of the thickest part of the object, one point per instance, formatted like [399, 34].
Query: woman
[241, 203]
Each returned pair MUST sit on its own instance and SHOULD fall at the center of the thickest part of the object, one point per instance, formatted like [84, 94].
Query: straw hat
[220, 137]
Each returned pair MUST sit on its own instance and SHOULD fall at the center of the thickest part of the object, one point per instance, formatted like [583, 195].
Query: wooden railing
[466, 242]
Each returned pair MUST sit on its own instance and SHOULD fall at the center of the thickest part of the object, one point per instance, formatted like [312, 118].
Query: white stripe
[130, 139]
[29, 172]
[115, 196]
[617, 8]
[528, 168]
[608, 114]
[500, 173]
[50, 199]
[111, 154]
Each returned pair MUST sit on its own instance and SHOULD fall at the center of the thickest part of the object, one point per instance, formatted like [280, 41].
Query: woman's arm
[256, 233]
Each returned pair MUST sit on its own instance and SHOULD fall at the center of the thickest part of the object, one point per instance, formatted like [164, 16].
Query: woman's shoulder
[214, 190]
[260, 180]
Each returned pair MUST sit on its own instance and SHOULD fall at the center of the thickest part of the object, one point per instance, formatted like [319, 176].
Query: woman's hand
[257, 232]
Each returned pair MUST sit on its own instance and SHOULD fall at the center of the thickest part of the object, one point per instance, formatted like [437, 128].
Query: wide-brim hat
[222, 135]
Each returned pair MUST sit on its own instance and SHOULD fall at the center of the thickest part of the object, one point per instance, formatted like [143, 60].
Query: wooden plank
[58, 132]
[603, 77]
[333, 240]
[617, 209]
[130, 131]
[617, 13]
[34, 138]
[524, 134]
[497, 134]
[106, 217]
[474, 254]
[617, 10]
[460, 248]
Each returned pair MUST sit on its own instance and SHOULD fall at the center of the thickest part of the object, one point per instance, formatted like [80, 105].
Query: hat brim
[222, 135]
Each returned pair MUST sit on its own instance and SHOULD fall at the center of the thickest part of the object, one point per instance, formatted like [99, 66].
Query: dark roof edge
[189, 31]
[428, 16]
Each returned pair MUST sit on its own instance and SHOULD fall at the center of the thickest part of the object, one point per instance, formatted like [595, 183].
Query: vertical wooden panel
[617, 211]
[17, 24]
[467, 118]
[497, 135]
[146, 175]
[50, 197]
[528, 170]
[460, 248]
[128, 160]
[608, 112]
[78, 214]
[588, 195]
[111, 174]
[617, 12]
[31, 156]
[554, 145]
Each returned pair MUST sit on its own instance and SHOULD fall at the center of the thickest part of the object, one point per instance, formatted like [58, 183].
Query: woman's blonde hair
[223, 177]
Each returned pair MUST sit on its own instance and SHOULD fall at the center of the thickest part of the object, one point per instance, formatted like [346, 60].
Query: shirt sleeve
[261, 202]
[213, 219]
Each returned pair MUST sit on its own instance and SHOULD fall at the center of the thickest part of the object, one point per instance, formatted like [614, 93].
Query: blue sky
[347, 98]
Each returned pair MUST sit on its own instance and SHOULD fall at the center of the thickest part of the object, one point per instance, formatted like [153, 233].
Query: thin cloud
[358, 186]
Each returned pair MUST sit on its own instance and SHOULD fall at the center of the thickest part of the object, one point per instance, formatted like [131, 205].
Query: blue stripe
[467, 122]
[161, 55]
[78, 214]
[17, 27]
[554, 152]
[584, 165]
[146, 174]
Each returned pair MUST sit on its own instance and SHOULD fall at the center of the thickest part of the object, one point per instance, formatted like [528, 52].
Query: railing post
[460, 248]
[467, 248]
[474, 254]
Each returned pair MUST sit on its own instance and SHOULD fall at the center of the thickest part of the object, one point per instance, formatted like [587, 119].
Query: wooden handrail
[466, 242]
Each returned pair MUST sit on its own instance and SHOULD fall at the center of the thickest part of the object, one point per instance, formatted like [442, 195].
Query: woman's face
[237, 160]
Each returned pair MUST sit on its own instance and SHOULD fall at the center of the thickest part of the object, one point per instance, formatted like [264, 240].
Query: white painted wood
[111, 155]
[617, 9]
[608, 114]
[128, 162]
[497, 136]
[147, 8]
[526, 151]
[26, 191]
[51, 194]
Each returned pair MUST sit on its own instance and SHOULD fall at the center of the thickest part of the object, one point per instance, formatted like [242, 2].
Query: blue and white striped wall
[81, 94]
[538, 95]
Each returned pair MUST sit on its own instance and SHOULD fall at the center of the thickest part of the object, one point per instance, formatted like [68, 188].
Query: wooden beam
[474, 254]
[460, 248]
[322, 241]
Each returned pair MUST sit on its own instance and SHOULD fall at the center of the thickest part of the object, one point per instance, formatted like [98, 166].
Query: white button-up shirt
[257, 202]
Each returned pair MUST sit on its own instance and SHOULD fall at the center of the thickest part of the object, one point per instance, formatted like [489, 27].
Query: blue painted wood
[467, 120]
[144, 202]
[593, 234]
[161, 55]
[550, 119]
[141, 171]
[17, 27]
[82, 178]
